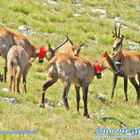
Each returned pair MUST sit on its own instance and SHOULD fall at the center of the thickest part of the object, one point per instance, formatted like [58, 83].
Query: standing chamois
[18, 65]
[129, 67]
[9, 39]
[116, 34]
[70, 69]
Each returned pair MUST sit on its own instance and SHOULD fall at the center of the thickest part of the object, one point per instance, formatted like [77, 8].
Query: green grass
[95, 33]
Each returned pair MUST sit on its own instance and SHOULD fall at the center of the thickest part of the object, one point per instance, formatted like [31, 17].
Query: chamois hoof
[67, 107]
[86, 115]
[41, 105]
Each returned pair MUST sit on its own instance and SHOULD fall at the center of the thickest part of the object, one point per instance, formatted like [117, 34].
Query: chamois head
[49, 52]
[76, 48]
[117, 39]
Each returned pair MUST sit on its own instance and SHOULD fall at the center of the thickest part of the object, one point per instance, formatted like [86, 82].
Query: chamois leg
[85, 97]
[77, 89]
[137, 87]
[65, 94]
[115, 77]
[24, 84]
[17, 81]
[125, 87]
[45, 86]
[5, 71]
[11, 77]
[11, 82]
[14, 80]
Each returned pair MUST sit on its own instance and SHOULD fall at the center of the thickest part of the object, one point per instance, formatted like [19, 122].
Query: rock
[5, 89]
[137, 8]
[53, 3]
[118, 20]
[26, 31]
[77, 15]
[133, 45]
[101, 12]
[102, 97]
[22, 28]
[11, 100]
[49, 106]
[46, 100]
[60, 103]
[76, 1]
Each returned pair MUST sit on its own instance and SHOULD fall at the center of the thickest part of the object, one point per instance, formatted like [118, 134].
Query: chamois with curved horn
[130, 64]
[70, 69]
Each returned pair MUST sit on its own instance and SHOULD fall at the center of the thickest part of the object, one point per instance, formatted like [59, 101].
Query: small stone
[102, 97]
[133, 45]
[11, 100]
[53, 3]
[5, 89]
[46, 100]
[101, 12]
[26, 31]
[137, 8]
[22, 28]
[60, 103]
[49, 106]
[77, 15]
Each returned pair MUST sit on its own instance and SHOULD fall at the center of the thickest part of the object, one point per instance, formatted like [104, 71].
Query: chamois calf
[70, 69]
[18, 65]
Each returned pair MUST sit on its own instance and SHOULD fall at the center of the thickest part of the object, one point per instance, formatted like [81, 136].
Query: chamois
[18, 65]
[9, 39]
[130, 67]
[70, 48]
[70, 69]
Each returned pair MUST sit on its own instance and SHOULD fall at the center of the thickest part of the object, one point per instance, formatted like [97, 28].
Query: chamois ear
[49, 45]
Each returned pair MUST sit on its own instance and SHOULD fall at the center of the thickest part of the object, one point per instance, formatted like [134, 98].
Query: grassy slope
[57, 123]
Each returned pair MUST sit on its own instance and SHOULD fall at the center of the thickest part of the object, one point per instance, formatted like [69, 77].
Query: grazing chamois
[70, 69]
[130, 65]
[18, 65]
[9, 39]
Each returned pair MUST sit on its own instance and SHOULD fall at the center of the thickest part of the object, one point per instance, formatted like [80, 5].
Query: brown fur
[9, 38]
[18, 65]
[131, 63]
[70, 69]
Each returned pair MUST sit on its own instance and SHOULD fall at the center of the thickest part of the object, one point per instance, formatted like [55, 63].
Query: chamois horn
[67, 38]
[71, 42]
[119, 30]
